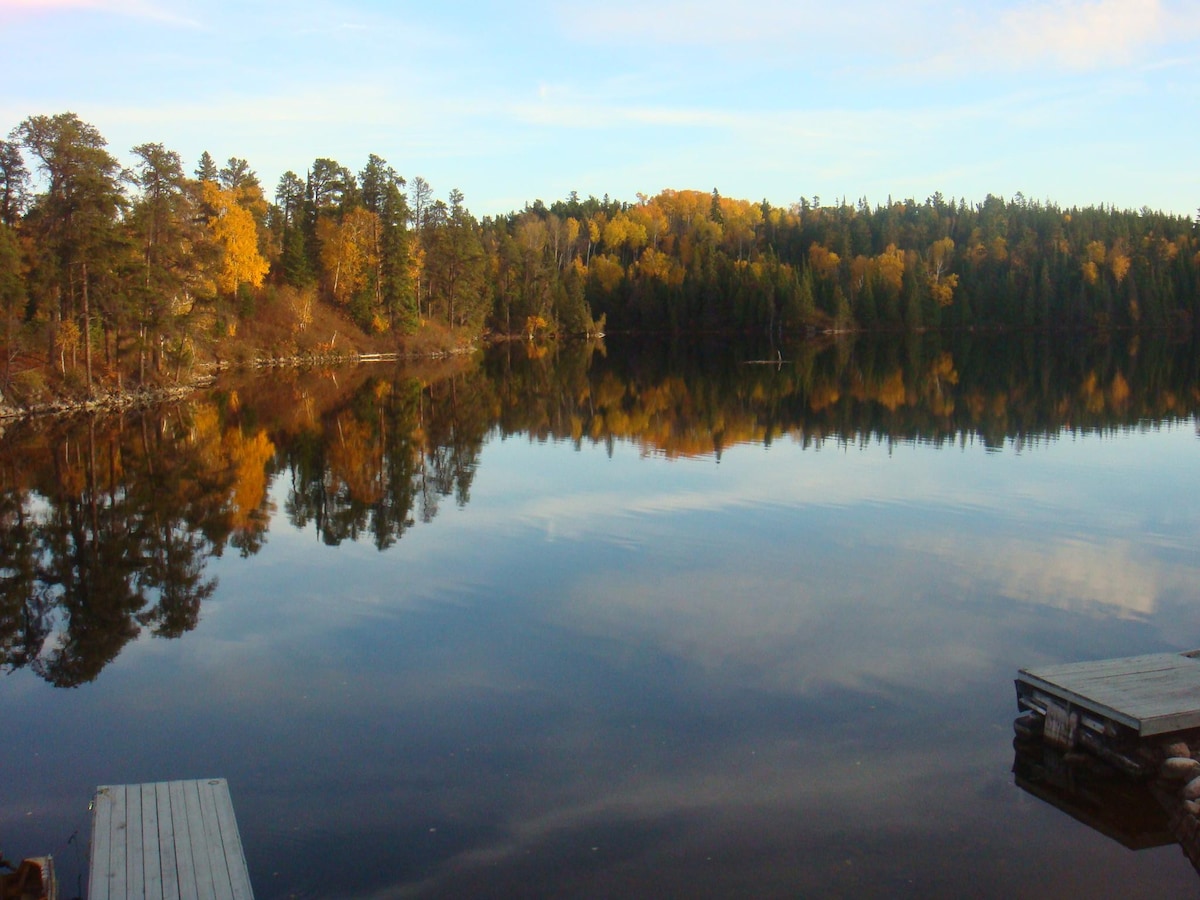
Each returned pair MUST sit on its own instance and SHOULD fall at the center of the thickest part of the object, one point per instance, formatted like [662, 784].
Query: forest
[113, 277]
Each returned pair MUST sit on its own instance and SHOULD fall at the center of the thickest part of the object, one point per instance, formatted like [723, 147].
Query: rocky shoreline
[141, 397]
[106, 401]
[1177, 789]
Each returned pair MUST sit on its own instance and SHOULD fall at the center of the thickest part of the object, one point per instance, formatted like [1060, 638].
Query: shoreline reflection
[107, 524]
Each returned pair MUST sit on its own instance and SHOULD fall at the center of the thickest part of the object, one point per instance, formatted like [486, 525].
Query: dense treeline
[108, 272]
[684, 260]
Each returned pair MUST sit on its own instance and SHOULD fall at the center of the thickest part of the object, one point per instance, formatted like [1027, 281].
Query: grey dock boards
[170, 840]
[1153, 695]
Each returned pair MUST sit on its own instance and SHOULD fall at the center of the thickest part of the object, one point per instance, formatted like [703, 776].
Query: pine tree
[206, 168]
[76, 218]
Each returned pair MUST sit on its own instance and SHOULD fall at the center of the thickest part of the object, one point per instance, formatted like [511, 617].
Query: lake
[635, 619]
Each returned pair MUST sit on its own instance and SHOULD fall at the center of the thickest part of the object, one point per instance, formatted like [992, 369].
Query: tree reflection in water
[107, 524]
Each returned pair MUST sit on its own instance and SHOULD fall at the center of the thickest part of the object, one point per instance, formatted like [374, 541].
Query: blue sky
[1079, 102]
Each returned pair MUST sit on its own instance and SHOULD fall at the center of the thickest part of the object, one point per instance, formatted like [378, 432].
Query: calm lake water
[635, 620]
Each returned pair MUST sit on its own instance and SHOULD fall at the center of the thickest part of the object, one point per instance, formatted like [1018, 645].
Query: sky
[1075, 102]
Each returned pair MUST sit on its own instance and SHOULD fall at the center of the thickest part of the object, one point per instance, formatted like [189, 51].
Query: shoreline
[144, 396]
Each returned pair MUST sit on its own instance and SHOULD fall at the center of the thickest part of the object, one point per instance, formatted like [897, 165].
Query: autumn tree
[941, 282]
[349, 252]
[741, 221]
[234, 232]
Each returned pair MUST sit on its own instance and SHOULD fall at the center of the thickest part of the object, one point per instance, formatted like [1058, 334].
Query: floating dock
[169, 840]
[1139, 714]
[1134, 697]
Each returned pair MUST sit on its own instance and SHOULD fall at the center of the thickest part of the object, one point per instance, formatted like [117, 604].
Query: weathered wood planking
[1154, 694]
[170, 840]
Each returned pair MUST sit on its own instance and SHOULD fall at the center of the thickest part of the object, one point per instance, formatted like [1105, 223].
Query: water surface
[632, 620]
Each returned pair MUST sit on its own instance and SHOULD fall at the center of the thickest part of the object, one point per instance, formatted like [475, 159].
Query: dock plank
[185, 871]
[198, 842]
[101, 844]
[151, 849]
[168, 861]
[217, 866]
[231, 840]
[174, 840]
[135, 844]
[118, 847]
[1152, 694]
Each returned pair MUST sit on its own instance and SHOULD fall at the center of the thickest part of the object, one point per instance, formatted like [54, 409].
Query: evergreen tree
[76, 217]
[294, 261]
[14, 182]
[162, 220]
[206, 168]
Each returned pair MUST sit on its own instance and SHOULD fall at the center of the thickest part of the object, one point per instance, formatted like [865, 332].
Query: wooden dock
[1149, 695]
[174, 840]
[1140, 715]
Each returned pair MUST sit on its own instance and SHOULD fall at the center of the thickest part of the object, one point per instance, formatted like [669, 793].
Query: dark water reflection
[599, 621]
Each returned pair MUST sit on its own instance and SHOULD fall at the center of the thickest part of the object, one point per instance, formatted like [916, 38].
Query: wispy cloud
[718, 23]
[138, 9]
[1071, 34]
[926, 36]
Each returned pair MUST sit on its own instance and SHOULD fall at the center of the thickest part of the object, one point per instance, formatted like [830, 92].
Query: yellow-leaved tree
[236, 235]
[890, 265]
[349, 252]
[1119, 262]
[941, 282]
[824, 262]
[657, 265]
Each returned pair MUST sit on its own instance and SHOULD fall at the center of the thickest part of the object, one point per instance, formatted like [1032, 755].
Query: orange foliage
[622, 231]
[652, 219]
[823, 396]
[1119, 391]
[824, 262]
[942, 290]
[607, 270]
[660, 266]
[248, 457]
[892, 393]
[1119, 264]
[354, 462]
[234, 231]
[890, 266]
[348, 251]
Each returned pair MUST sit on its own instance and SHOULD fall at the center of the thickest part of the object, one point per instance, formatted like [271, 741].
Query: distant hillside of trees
[118, 275]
